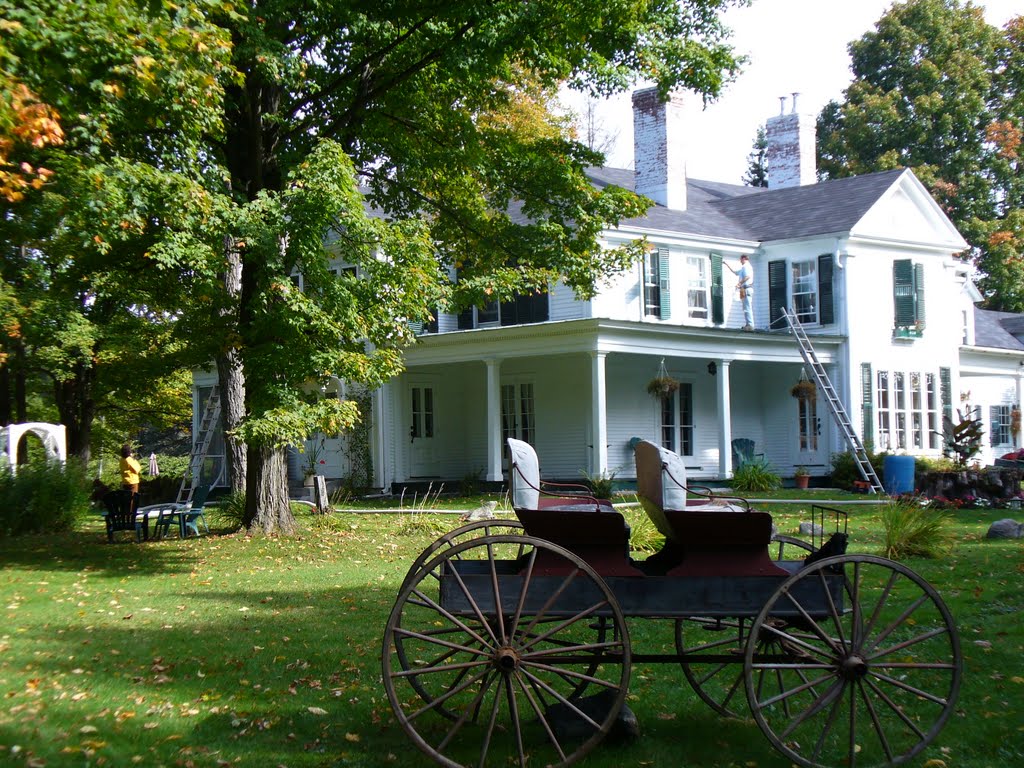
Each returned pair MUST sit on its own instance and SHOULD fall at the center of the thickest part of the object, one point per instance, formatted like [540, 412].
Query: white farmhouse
[867, 264]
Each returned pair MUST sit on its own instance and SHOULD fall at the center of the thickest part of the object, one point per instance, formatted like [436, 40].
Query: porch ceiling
[614, 336]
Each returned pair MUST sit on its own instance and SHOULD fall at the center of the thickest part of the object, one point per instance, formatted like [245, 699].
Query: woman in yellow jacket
[130, 470]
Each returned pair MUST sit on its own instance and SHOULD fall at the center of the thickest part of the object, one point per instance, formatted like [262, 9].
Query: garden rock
[811, 529]
[568, 726]
[1005, 529]
[484, 512]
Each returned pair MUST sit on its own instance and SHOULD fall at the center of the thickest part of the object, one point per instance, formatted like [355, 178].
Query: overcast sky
[792, 45]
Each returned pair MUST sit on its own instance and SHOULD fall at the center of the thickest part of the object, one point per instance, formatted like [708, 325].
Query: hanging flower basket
[804, 390]
[662, 386]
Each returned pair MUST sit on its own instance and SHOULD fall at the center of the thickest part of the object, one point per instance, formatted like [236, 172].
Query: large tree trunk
[77, 408]
[266, 493]
[232, 379]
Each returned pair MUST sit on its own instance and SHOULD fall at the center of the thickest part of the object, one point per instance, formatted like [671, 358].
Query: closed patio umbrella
[154, 468]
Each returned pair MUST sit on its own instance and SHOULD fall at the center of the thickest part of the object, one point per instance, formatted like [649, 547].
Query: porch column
[724, 421]
[599, 415]
[382, 473]
[493, 420]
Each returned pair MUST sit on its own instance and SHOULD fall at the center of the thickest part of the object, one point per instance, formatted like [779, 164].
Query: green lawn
[227, 650]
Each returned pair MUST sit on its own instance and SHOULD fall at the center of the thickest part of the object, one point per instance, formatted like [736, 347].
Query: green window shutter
[946, 394]
[919, 293]
[903, 293]
[868, 404]
[826, 294]
[993, 425]
[777, 293]
[717, 300]
[666, 305]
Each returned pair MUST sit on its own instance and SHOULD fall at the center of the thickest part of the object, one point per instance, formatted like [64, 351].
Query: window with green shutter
[826, 293]
[867, 406]
[908, 298]
[946, 394]
[777, 293]
[666, 303]
[655, 265]
[717, 295]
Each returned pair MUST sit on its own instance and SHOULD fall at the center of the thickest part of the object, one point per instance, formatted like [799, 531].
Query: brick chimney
[658, 153]
[790, 155]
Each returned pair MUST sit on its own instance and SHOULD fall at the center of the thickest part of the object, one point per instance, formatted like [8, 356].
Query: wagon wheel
[719, 682]
[871, 668]
[507, 683]
[783, 547]
[460, 534]
[450, 540]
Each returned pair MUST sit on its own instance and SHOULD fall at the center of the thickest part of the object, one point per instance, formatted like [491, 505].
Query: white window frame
[698, 288]
[651, 288]
[804, 275]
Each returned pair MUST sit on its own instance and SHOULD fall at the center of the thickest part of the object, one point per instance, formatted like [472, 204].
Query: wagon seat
[568, 515]
[705, 534]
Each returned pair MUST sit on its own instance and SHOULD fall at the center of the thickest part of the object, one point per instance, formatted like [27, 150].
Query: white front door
[423, 448]
[809, 438]
[517, 412]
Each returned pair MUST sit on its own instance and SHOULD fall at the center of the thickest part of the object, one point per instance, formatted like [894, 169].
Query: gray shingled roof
[756, 213]
[997, 329]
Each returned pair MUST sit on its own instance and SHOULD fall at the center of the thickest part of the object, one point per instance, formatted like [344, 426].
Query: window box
[908, 332]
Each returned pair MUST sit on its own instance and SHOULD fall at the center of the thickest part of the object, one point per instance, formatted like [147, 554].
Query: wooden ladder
[835, 405]
[208, 425]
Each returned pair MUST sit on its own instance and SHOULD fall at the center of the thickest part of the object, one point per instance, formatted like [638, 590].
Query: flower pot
[307, 481]
[801, 481]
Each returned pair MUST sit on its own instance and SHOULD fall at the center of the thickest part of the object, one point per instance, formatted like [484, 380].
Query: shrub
[229, 512]
[915, 529]
[845, 471]
[42, 498]
[755, 475]
[602, 485]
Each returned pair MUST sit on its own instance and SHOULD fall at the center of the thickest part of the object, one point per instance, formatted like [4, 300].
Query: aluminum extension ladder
[835, 405]
[208, 424]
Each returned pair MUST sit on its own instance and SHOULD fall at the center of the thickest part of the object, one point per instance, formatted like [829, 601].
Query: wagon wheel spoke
[873, 714]
[539, 712]
[876, 670]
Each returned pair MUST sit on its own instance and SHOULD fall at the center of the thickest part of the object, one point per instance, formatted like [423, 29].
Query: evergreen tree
[757, 169]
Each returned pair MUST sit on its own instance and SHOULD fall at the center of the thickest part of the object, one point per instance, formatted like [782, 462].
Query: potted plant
[662, 386]
[804, 389]
[801, 477]
[313, 451]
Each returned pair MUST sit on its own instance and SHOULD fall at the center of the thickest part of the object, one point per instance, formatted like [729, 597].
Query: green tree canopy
[938, 90]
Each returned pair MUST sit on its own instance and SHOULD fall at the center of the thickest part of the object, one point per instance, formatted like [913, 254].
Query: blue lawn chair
[187, 516]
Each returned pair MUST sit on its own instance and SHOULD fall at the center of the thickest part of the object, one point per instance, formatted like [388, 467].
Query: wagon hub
[853, 667]
[506, 659]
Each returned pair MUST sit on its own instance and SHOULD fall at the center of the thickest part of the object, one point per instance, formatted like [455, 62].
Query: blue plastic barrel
[899, 474]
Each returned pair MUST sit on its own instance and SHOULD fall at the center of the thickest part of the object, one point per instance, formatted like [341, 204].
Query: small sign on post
[320, 494]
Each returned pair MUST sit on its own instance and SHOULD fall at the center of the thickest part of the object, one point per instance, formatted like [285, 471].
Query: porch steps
[835, 405]
[200, 448]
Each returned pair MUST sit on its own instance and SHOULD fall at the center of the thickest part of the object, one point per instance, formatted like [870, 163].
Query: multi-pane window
[652, 283]
[697, 287]
[900, 397]
[884, 416]
[916, 414]
[908, 410]
[932, 399]
[805, 291]
[677, 420]
[1000, 425]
